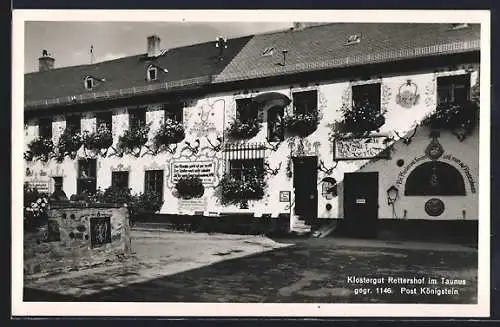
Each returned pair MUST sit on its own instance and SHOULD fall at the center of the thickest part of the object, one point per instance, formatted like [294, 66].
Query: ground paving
[189, 267]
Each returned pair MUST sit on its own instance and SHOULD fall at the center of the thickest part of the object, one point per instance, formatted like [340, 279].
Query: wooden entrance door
[305, 177]
[361, 204]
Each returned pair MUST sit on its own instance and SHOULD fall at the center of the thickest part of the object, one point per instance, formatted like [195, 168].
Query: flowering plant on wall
[239, 191]
[459, 118]
[132, 141]
[243, 129]
[358, 120]
[301, 124]
[170, 132]
[190, 187]
[41, 148]
[36, 206]
[101, 139]
[68, 145]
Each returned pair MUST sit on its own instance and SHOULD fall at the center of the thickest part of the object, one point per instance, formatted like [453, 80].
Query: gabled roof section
[325, 47]
[187, 66]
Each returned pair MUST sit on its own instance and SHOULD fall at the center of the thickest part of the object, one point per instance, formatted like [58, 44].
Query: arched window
[152, 74]
[435, 178]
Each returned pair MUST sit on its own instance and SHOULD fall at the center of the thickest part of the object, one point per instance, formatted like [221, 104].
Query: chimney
[154, 46]
[45, 62]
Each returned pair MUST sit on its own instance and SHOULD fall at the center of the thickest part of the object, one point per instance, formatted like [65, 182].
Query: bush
[145, 203]
[235, 191]
[118, 195]
[190, 187]
[243, 130]
[40, 148]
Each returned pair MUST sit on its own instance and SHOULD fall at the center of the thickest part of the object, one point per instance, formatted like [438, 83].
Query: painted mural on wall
[302, 147]
[100, 231]
[38, 179]
[360, 148]
[203, 121]
[408, 96]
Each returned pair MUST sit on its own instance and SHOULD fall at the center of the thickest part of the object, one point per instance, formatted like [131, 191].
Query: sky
[69, 42]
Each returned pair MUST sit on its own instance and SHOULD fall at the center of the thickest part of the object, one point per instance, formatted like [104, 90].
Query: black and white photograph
[300, 163]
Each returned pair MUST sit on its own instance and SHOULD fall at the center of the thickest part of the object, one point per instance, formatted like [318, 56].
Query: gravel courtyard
[188, 267]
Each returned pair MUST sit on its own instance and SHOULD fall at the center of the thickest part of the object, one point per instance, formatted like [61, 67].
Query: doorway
[361, 204]
[305, 185]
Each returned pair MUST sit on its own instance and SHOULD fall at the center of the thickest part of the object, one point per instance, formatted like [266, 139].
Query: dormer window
[353, 39]
[268, 52]
[89, 83]
[152, 73]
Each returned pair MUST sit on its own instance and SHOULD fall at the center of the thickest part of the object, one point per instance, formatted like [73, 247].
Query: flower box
[170, 132]
[101, 139]
[359, 120]
[453, 115]
[236, 191]
[132, 141]
[68, 145]
[244, 130]
[301, 124]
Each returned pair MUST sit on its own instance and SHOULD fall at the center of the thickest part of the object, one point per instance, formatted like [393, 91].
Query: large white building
[388, 77]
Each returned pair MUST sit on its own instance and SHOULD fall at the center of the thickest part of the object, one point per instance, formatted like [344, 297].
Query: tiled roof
[187, 66]
[312, 48]
[324, 47]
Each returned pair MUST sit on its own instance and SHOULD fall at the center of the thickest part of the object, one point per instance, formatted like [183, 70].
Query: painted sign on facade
[466, 170]
[191, 205]
[42, 186]
[360, 148]
[204, 169]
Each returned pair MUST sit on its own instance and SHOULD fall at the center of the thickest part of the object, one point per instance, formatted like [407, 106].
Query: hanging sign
[360, 148]
[284, 196]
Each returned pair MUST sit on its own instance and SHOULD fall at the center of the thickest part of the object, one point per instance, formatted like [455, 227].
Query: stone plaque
[100, 231]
